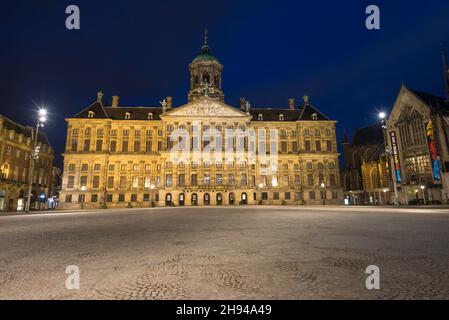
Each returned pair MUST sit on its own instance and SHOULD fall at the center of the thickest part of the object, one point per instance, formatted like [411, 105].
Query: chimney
[169, 103]
[100, 96]
[242, 103]
[115, 100]
[306, 100]
[291, 104]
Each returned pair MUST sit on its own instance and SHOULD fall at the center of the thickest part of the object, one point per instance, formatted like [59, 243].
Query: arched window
[314, 116]
[150, 116]
[206, 78]
[317, 132]
[127, 116]
[87, 132]
[306, 132]
[281, 117]
[91, 114]
[260, 117]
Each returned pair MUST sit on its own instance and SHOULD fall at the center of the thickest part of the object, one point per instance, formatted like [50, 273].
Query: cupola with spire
[205, 75]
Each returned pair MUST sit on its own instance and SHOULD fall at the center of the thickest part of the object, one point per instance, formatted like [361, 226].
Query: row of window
[207, 179]
[170, 128]
[298, 196]
[206, 165]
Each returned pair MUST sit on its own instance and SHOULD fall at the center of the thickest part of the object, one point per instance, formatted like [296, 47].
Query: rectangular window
[168, 180]
[96, 182]
[71, 182]
[286, 181]
[276, 196]
[147, 182]
[111, 182]
[122, 184]
[136, 146]
[318, 145]
[287, 196]
[94, 198]
[219, 179]
[206, 179]
[146, 197]
[97, 167]
[68, 198]
[149, 146]
[136, 167]
[329, 146]
[84, 167]
[113, 146]
[243, 180]
[86, 146]
[284, 146]
[307, 145]
[125, 146]
[310, 179]
[121, 197]
[135, 181]
[99, 146]
[264, 195]
[158, 181]
[332, 179]
[74, 146]
[298, 196]
[111, 167]
[134, 197]
[109, 197]
[194, 180]
[312, 195]
[83, 181]
[181, 180]
[297, 180]
[294, 147]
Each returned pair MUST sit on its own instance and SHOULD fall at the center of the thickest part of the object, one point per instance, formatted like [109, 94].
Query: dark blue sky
[271, 50]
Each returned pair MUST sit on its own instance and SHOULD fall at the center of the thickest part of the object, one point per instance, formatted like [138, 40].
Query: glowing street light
[42, 118]
[382, 115]
[424, 194]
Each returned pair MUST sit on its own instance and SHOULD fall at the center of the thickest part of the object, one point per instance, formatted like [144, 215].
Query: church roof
[433, 101]
[368, 136]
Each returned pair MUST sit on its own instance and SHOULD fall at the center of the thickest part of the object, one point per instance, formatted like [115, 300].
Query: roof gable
[308, 111]
[97, 109]
[206, 107]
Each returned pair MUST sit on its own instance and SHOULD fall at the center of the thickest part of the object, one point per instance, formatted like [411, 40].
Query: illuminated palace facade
[202, 153]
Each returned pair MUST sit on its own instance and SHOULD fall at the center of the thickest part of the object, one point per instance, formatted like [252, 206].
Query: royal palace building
[205, 152]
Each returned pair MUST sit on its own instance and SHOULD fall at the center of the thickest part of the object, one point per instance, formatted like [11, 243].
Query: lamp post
[152, 187]
[389, 152]
[83, 196]
[34, 155]
[424, 194]
[323, 186]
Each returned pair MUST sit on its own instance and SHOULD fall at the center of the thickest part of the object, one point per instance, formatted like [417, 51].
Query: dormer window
[260, 117]
[91, 114]
[281, 117]
[127, 116]
[150, 116]
[314, 116]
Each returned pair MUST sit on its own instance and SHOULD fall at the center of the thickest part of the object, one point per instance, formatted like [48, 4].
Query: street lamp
[34, 155]
[384, 121]
[323, 186]
[423, 194]
[83, 196]
[152, 187]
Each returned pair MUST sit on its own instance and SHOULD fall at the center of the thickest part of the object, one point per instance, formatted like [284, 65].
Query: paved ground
[227, 253]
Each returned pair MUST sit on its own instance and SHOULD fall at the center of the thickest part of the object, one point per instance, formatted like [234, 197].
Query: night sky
[271, 51]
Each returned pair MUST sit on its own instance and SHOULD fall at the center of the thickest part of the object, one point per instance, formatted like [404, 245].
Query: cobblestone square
[227, 253]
